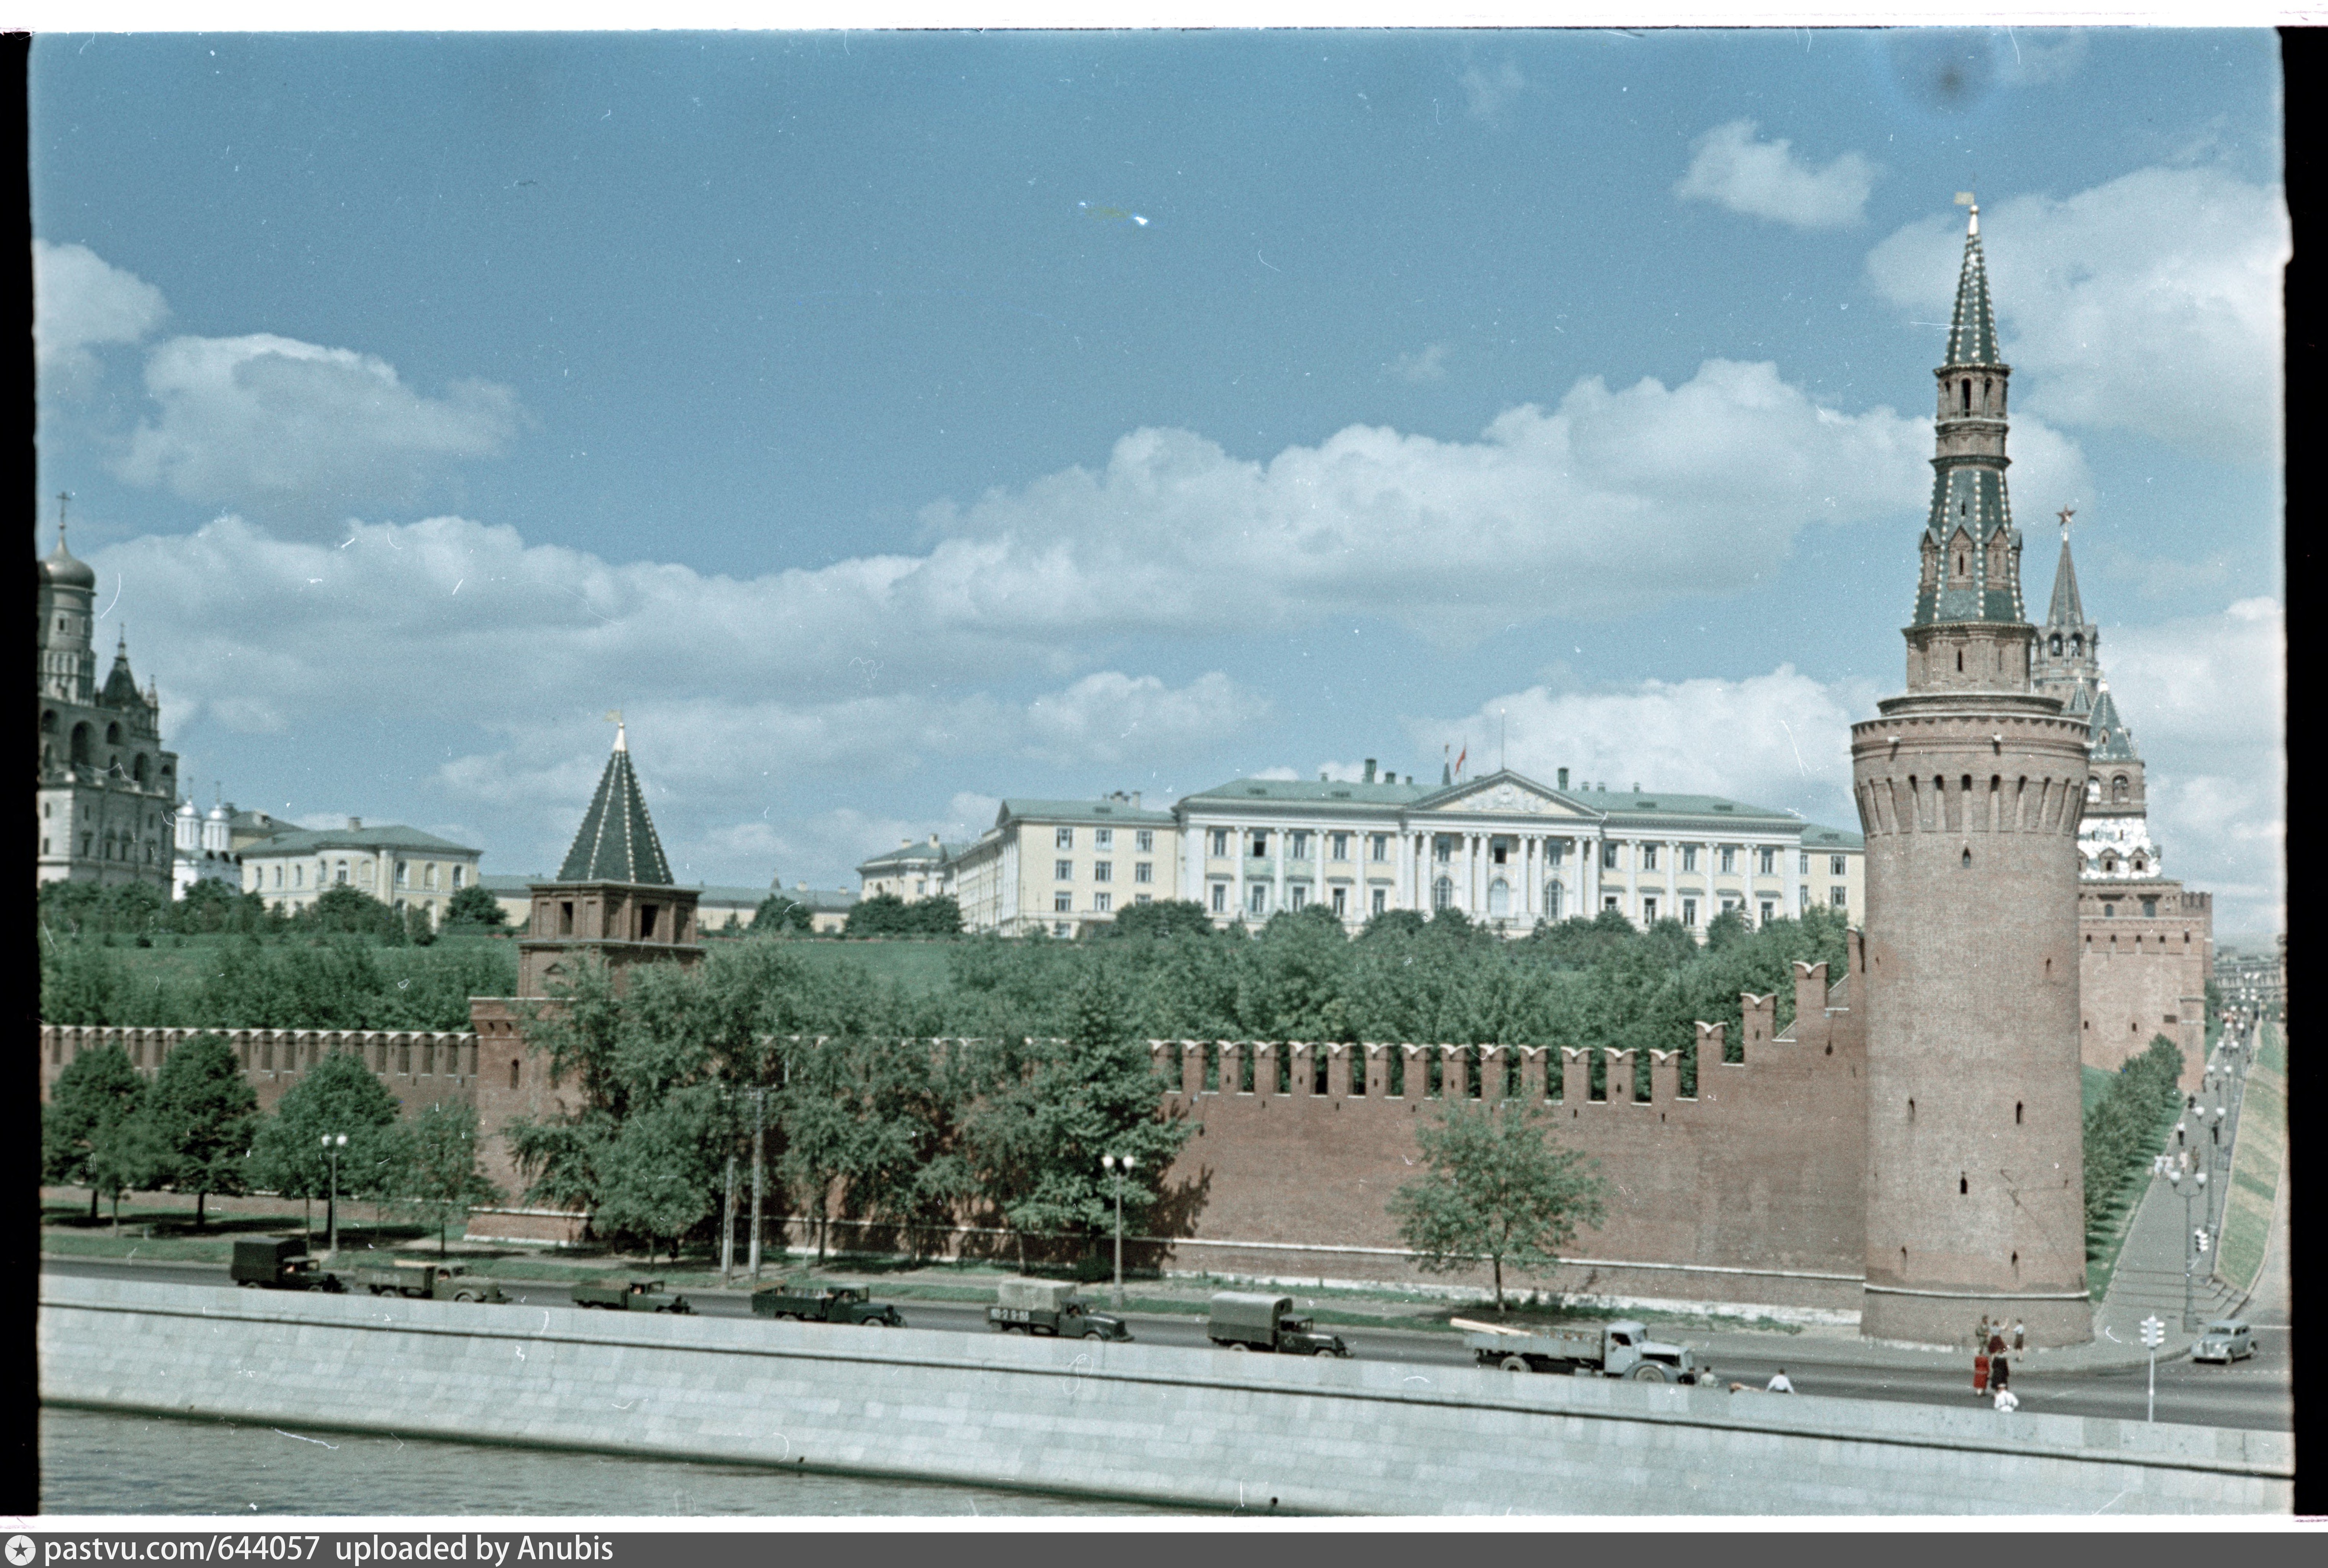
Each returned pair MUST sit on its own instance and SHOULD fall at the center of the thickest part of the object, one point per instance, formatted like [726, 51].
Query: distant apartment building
[395, 864]
[1061, 866]
[915, 869]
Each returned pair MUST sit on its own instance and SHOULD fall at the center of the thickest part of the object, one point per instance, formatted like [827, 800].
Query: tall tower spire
[2067, 662]
[1971, 550]
[1970, 788]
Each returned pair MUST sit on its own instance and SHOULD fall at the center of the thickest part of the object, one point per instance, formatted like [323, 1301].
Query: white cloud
[2206, 700]
[1428, 364]
[2151, 304]
[1485, 91]
[300, 434]
[79, 301]
[1612, 503]
[1780, 740]
[1731, 169]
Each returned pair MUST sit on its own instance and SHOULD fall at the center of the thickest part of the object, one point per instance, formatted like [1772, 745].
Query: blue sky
[888, 423]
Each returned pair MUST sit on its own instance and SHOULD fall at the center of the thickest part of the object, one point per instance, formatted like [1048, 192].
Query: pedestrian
[2020, 1335]
[2000, 1373]
[1979, 1371]
[2006, 1400]
[1980, 1335]
[1780, 1385]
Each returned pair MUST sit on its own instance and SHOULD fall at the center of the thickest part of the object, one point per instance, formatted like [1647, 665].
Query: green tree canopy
[780, 913]
[96, 1130]
[1049, 1108]
[438, 1174]
[339, 1095]
[206, 1117]
[1496, 1187]
[475, 907]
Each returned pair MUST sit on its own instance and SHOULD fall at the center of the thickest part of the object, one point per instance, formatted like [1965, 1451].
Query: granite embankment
[1121, 1420]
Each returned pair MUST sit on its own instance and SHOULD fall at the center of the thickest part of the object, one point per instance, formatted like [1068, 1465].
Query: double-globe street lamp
[1120, 1167]
[2192, 1186]
[334, 1144]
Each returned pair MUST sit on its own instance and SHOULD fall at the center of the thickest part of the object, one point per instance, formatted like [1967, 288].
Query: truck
[1049, 1307]
[1243, 1321]
[279, 1262]
[805, 1302]
[1622, 1349]
[427, 1281]
[630, 1296]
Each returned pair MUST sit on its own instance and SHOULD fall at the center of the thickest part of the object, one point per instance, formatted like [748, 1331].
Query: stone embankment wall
[1201, 1428]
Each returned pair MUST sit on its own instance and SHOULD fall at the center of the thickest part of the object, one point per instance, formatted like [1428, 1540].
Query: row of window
[1500, 851]
[338, 873]
[1297, 897]
[1143, 871]
[1063, 903]
[1143, 840]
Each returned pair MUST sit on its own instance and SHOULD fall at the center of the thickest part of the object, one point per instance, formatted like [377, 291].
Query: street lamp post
[332, 1145]
[1119, 1166]
[2193, 1188]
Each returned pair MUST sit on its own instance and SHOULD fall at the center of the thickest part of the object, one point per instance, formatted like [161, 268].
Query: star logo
[20, 1550]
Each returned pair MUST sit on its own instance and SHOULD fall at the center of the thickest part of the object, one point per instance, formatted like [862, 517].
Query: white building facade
[1506, 851]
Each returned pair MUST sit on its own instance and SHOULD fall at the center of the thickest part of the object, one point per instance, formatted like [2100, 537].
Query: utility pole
[759, 1167]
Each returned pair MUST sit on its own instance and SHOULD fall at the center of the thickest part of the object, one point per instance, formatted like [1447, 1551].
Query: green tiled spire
[1971, 550]
[1972, 331]
[2066, 611]
[617, 842]
[2113, 741]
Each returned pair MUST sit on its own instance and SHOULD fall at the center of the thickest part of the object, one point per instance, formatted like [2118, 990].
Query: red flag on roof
[1459, 758]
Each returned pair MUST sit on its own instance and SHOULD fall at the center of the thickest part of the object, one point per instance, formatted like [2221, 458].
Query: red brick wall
[1760, 1172]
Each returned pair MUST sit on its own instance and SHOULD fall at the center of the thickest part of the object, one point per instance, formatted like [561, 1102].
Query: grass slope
[2256, 1164]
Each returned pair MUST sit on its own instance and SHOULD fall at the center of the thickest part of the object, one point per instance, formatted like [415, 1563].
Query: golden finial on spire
[2065, 514]
[614, 718]
[1965, 199]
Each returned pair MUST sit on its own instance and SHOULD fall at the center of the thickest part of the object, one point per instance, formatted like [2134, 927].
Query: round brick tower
[1970, 789]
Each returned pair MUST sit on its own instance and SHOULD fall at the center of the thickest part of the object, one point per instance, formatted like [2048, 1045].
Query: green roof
[1665, 803]
[617, 840]
[2112, 741]
[1818, 837]
[1972, 330]
[390, 836]
[921, 851]
[1100, 811]
[1239, 790]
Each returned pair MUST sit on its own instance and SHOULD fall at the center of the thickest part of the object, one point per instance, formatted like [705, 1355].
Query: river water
[94, 1463]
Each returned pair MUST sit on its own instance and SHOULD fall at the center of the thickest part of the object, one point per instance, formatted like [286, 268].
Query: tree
[206, 1117]
[780, 912]
[95, 1130]
[1050, 1109]
[81, 983]
[1496, 1188]
[1726, 930]
[1163, 917]
[419, 929]
[340, 908]
[338, 1095]
[475, 906]
[939, 915]
[882, 915]
[438, 1174]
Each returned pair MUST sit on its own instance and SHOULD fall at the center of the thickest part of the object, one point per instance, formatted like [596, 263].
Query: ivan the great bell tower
[1969, 787]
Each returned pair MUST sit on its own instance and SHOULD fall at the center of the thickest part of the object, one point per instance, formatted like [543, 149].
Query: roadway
[2255, 1394]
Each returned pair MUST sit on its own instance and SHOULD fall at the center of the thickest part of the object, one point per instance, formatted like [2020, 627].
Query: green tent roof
[617, 842]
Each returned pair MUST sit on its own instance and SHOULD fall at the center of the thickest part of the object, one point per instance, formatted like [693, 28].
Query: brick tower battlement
[1970, 788]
